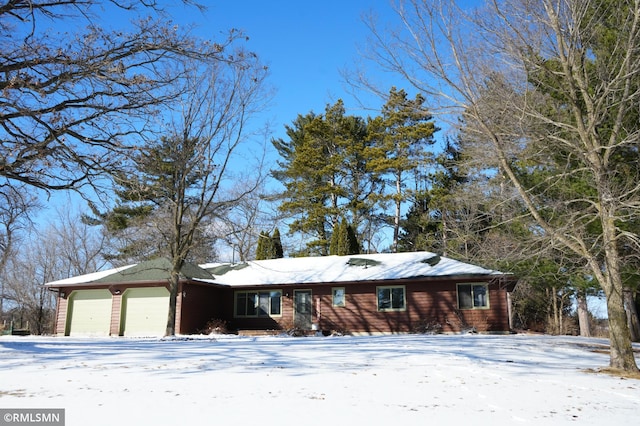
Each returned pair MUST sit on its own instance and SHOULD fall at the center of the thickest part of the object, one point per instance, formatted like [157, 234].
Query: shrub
[215, 326]
[426, 327]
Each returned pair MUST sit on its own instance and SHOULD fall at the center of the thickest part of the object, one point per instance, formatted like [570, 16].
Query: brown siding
[61, 315]
[427, 303]
[198, 304]
[258, 323]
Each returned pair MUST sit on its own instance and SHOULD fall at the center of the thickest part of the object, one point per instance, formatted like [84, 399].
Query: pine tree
[400, 135]
[435, 211]
[324, 172]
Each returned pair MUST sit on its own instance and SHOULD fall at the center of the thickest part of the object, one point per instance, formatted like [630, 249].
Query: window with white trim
[391, 298]
[473, 296]
[337, 296]
[258, 303]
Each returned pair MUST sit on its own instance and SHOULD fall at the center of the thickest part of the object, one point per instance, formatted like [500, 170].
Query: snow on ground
[408, 380]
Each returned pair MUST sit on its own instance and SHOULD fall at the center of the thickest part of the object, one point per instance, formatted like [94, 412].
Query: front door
[302, 313]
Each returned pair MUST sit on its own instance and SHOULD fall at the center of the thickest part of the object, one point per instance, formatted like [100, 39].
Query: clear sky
[304, 43]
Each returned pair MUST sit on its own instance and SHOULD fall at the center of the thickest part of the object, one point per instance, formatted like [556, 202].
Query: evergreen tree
[400, 138]
[324, 172]
[353, 246]
[141, 223]
[277, 244]
[269, 246]
[344, 240]
[261, 252]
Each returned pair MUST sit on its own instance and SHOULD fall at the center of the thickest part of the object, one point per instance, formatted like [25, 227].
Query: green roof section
[224, 268]
[357, 261]
[432, 261]
[155, 270]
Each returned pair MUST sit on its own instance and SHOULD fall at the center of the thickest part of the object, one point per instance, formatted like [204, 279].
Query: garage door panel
[89, 313]
[144, 311]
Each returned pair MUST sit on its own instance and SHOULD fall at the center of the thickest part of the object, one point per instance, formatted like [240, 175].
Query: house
[133, 301]
[365, 293]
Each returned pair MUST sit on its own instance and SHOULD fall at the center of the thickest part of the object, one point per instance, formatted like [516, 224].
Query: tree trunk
[621, 354]
[632, 315]
[583, 314]
[396, 217]
[173, 298]
[553, 315]
[445, 243]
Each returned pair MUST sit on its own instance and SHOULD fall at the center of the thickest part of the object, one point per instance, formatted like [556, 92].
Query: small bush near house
[215, 326]
[426, 327]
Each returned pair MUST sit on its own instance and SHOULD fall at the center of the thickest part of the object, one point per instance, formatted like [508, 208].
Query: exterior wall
[428, 304]
[61, 314]
[198, 304]
[282, 322]
[431, 305]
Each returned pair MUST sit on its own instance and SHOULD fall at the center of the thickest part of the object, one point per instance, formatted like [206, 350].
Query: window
[391, 298]
[338, 296]
[258, 303]
[473, 296]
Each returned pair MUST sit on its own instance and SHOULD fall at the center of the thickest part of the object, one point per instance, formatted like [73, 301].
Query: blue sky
[304, 43]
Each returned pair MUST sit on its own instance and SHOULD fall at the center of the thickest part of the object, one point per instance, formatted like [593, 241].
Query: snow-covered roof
[297, 270]
[87, 278]
[150, 271]
[329, 269]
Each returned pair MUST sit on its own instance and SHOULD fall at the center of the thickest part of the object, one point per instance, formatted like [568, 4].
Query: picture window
[258, 304]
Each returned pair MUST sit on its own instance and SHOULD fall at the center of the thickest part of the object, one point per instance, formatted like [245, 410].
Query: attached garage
[89, 313]
[144, 311]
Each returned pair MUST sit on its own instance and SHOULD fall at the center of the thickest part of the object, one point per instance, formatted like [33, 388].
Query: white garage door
[144, 311]
[89, 313]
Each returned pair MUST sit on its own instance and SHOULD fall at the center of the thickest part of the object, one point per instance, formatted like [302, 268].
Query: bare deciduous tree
[219, 102]
[71, 100]
[15, 207]
[67, 248]
[184, 178]
[547, 87]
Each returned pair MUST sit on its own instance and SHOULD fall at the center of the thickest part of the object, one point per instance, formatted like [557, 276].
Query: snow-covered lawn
[393, 380]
